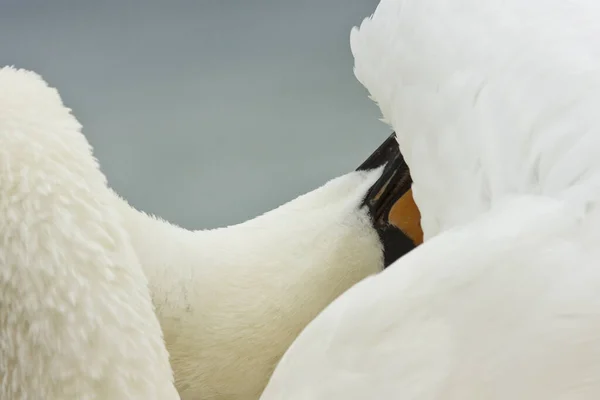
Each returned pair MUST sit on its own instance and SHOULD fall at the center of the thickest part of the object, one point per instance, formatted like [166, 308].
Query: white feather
[487, 98]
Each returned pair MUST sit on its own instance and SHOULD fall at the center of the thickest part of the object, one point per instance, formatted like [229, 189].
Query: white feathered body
[496, 107]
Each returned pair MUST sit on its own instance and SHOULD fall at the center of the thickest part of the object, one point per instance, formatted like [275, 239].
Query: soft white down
[76, 318]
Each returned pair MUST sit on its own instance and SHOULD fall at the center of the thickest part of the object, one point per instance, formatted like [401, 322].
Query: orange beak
[396, 217]
[405, 216]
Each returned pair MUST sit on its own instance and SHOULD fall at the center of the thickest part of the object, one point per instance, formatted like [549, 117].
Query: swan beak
[392, 208]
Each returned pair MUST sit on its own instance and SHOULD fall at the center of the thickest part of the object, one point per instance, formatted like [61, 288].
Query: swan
[496, 108]
[231, 300]
[76, 317]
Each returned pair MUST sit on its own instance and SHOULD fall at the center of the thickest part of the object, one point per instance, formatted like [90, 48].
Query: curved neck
[246, 291]
[309, 238]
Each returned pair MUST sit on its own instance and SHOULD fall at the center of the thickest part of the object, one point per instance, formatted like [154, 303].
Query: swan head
[392, 209]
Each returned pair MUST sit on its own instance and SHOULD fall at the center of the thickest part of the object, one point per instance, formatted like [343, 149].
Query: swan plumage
[487, 99]
[76, 317]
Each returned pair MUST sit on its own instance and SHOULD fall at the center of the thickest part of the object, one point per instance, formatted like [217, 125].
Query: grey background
[204, 112]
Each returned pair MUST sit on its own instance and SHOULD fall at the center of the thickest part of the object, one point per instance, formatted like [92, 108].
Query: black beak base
[394, 182]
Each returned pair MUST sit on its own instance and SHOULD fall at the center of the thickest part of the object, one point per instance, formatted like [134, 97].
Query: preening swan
[229, 301]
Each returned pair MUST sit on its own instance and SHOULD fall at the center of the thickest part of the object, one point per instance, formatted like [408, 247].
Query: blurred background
[205, 112]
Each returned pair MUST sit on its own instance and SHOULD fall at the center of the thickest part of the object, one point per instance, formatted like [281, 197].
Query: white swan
[497, 108]
[231, 300]
[76, 318]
